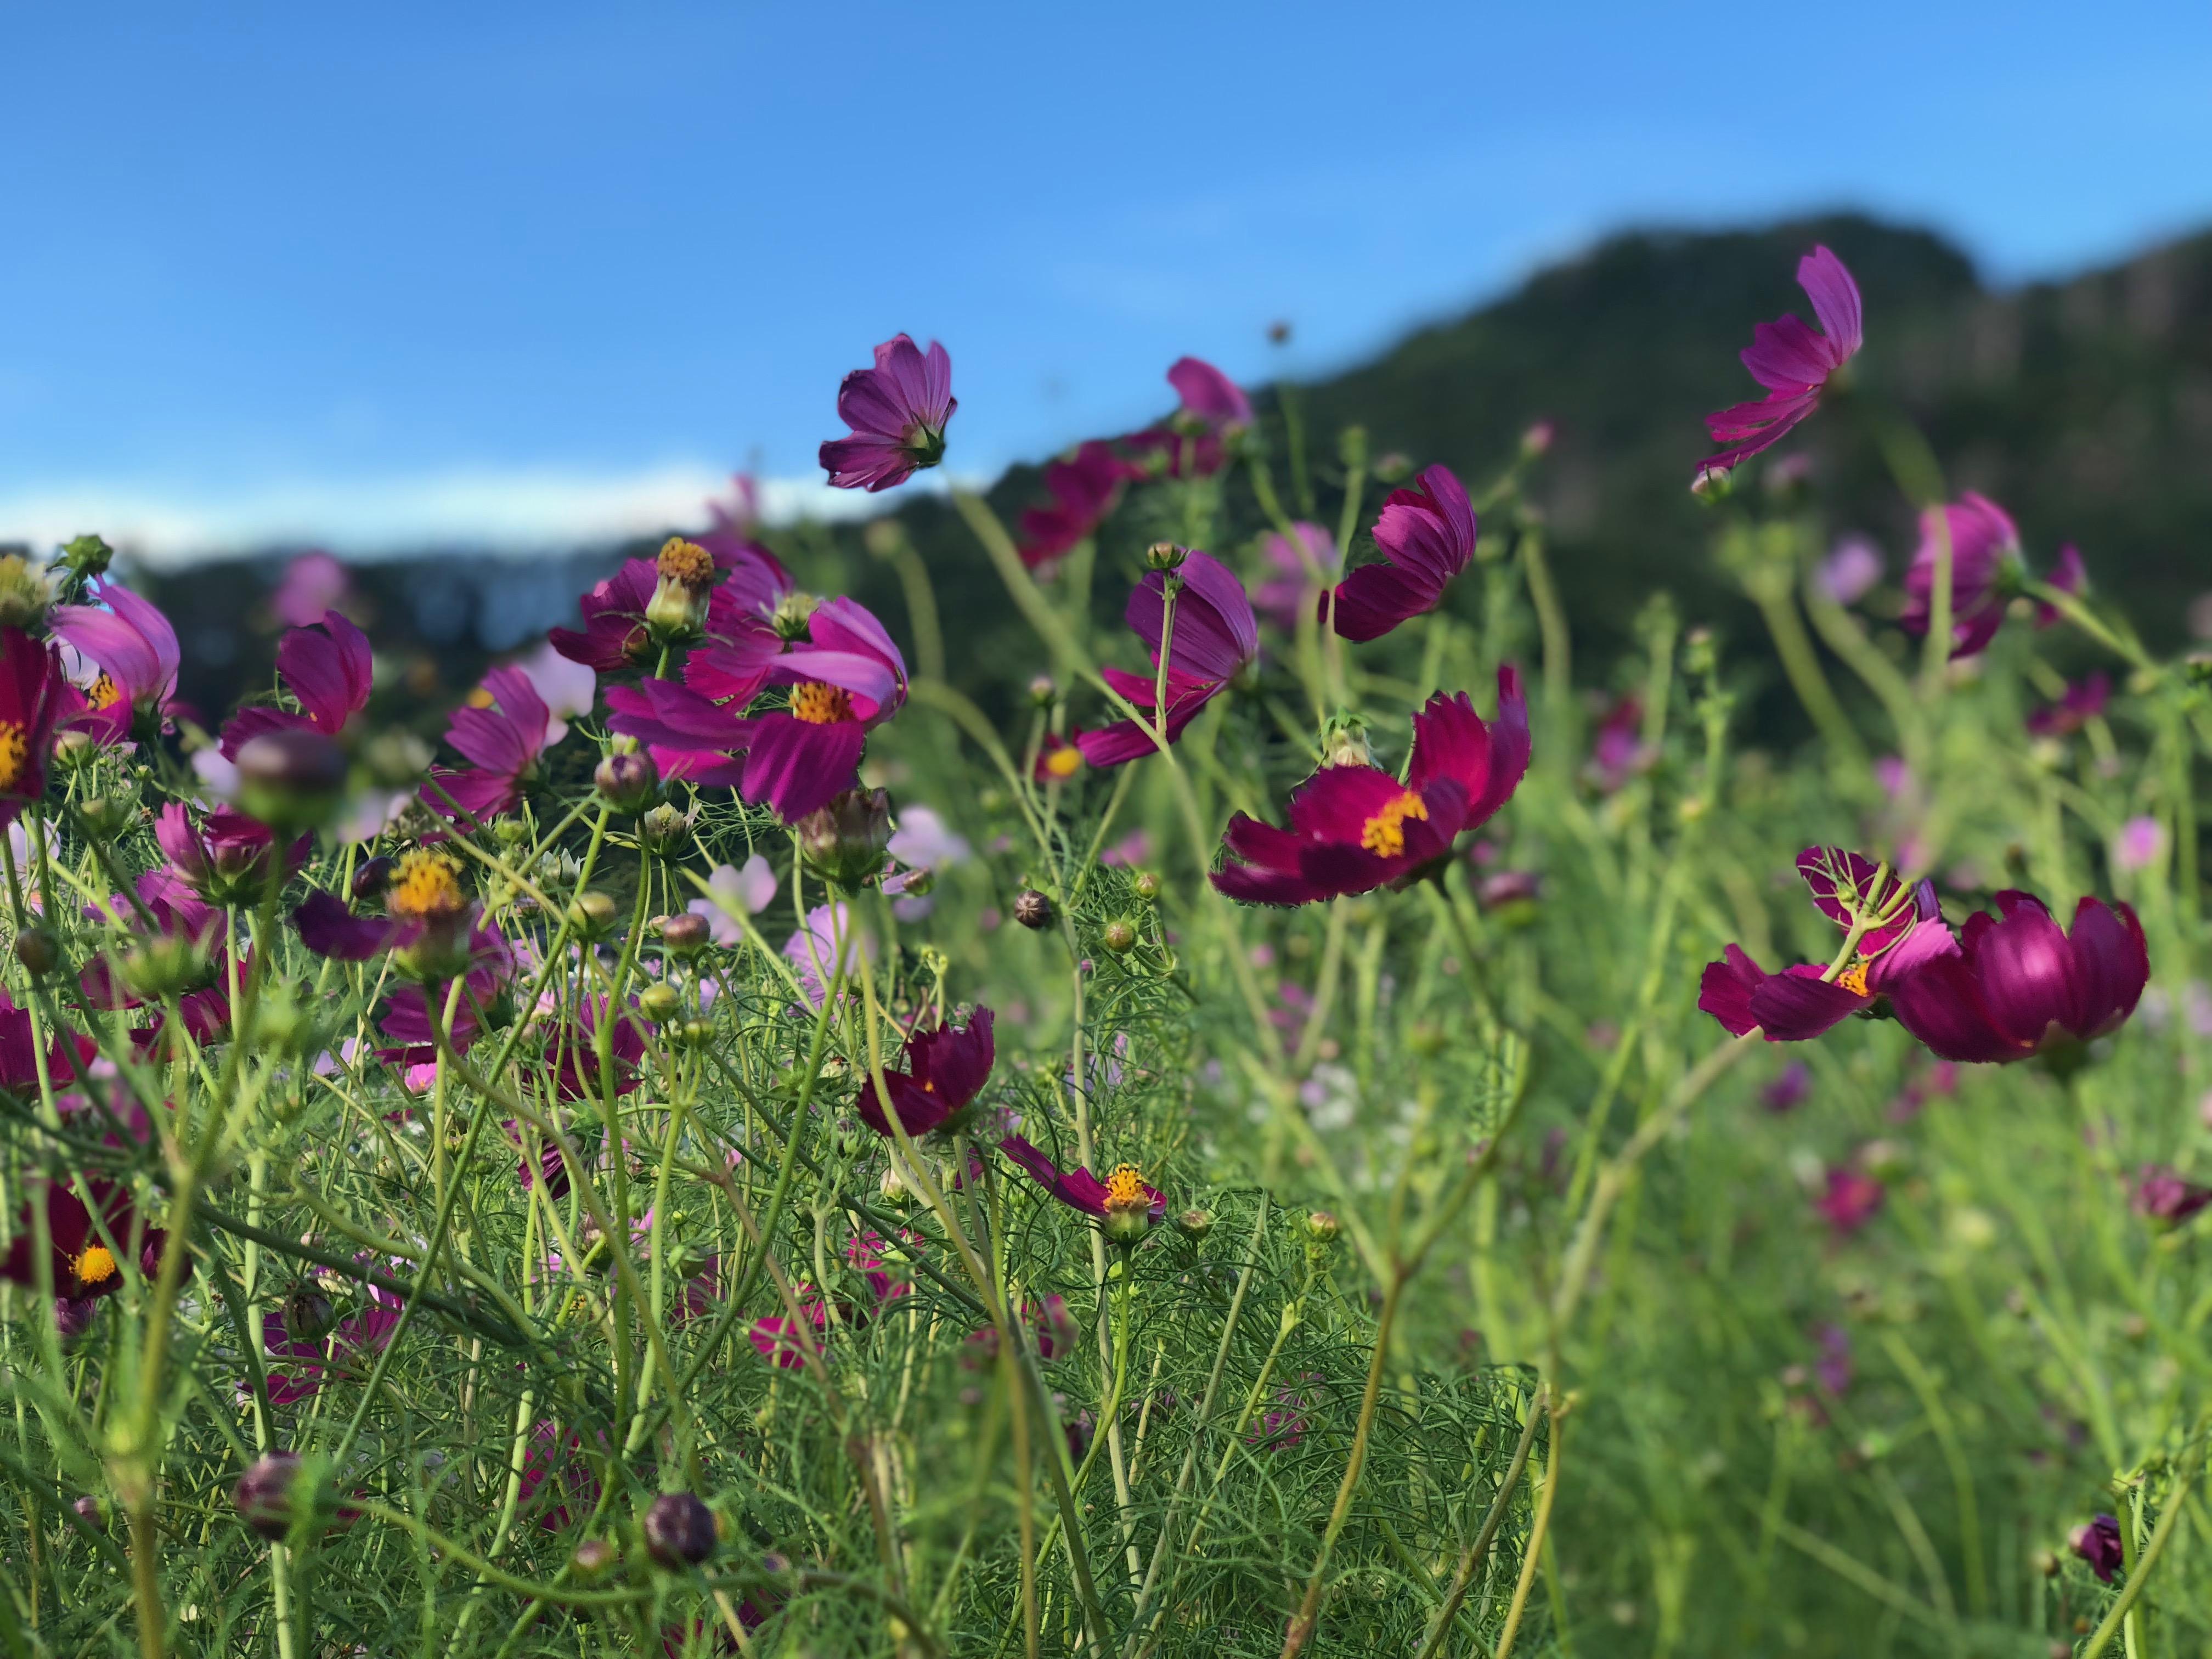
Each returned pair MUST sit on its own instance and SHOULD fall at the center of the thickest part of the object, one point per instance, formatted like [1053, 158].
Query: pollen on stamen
[14, 752]
[1125, 1187]
[820, 705]
[103, 692]
[95, 1267]
[1064, 763]
[1385, 833]
[425, 885]
[686, 562]
[1854, 978]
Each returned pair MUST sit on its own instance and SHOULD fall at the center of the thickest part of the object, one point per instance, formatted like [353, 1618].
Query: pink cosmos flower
[1850, 570]
[897, 412]
[846, 681]
[134, 650]
[572, 1051]
[1214, 638]
[1213, 410]
[327, 667]
[349, 1350]
[311, 585]
[34, 696]
[226, 855]
[732, 892]
[1985, 570]
[1617, 754]
[1288, 593]
[1792, 362]
[945, 1069]
[2079, 705]
[2141, 843]
[1427, 535]
[1123, 1195]
[503, 729]
[1084, 488]
[1849, 1199]
[751, 584]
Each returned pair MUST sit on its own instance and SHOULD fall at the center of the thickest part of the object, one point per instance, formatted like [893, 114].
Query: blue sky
[370, 275]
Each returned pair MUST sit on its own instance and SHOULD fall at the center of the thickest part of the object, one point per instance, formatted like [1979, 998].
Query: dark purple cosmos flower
[1987, 570]
[1353, 829]
[1427, 535]
[847, 680]
[1903, 931]
[1792, 362]
[501, 729]
[81, 1255]
[348, 1351]
[1084, 488]
[550, 1167]
[2019, 986]
[2099, 1544]
[572, 1051]
[226, 855]
[176, 935]
[326, 668]
[2163, 1194]
[485, 974]
[945, 1069]
[33, 698]
[556, 1458]
[1124, 1202]
[1788, 1091]
[429, 923]
[1213, 638]
[19, 1055]
[1848, 1199]
[616, 634]
[134, 650]
[779, 1340]
[1290, 588]
[1618, 753]
[897, 412]
[2079, 705]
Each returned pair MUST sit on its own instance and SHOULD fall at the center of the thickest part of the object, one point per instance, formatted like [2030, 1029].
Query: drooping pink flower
[1794, 363]
[847, 680]
[130, 645]
[312, 584]
[897, 412]
[1209, 396]
[1290, 591]
[1426, 536]
[327, 668]
[502, 730]
[2079, 705]
[1084, 487]
[1353, 829]
[1213, 638]
[1986, 571]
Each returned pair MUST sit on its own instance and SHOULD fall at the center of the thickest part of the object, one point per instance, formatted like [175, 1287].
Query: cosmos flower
[1288, 593]
[945, 1069]
[503, 731]
[1060, 759]
[1905, 930]
[1426, 536]
[733, 892]
[1355, 828]
[348, 1351]
[1788, 1091]
[2099, 1544]
[1987, 570]
[1617, 754]
[1084, 487]
[778, 1339]
[846, 681]
[327, 668]
[226, 855]
[1124, 1202]
[617, 637]
[1848, 1199]
[312, 584]
[1210, 397]
[572, 1051]
[826, 947]
[83, 1264]
[2140, 844]
[2075, 709]
[32, 700]
[923, 841]
[897, 412]
[1214, 637]
[1792, 362]
[429, 922]
[1194, 443]
[134, 650]
[2019, 986]
[1850, 570]
[2162, 1193]
[68, 1055]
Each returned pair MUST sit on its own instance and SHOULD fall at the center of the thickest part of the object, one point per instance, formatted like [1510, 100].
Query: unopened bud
[593, 1557]
[1352, 447]
[370, 880]
[592, 914]
[162, 966]
[1392, 466]
[1713, 483]
[88, 1510]
[1042, 691]
[1699, 654]
[843, 841]
[73, 747]
[1536, 440]
[1033, 909]
[792, 614]
[665, 831]
[87, 556]
[106, 816]
[1119, 936]
[1148, 885]
[1322, 1227]
[39, 949]
[510, 832]
[290, 780]
[679, 1530]
[308, 1315]
[268, 1493]
[396, 759]
[627, 782]
[685, 935]
[1344, 742]
[918, 883]
[24, 592]
[659, 1003]
[1165, 555]
[1194, 1225]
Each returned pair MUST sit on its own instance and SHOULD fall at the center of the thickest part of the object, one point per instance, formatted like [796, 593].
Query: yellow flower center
[479, 698]
[1064, 763]
[1125, 1189]
[426, 884]
[685, 562]
[820, 705]
[1854, 978]
[1385, 833]
[104, 692]
[95, 1267]
[14, 752]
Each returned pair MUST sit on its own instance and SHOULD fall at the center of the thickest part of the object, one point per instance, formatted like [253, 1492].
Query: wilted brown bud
[1032, 909]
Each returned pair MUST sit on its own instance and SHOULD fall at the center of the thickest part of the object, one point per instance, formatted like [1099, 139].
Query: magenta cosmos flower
[1848, 1199]
[134, 649]
[327, 668]
[1084, 488]
[1353, 829]
[1426, 537]
[1194, 444]
[502, 728]
[747, 585]
[1792, 362]
[846, 681]
[1904, 930]
[945, 1069]
[429, 924]
[1289, 592]
[225, 857]
[2079, 705]
[83, 1264]
[2098, 1543]
[1124, 1202]
[2019, 985]
[897, 412]
[1214, 637]
[34, 696]
[1986, 570]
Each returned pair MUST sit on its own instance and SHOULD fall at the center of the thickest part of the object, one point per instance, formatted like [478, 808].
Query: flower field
[1317, 1120]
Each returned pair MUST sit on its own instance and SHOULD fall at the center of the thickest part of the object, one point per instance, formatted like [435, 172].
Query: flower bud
[1713, 483]
[1344, 742]
[372, 878]
[1194, 1225]
[659, 1002]
[1056, 1329]
[1322, 1227]
[25, 593]
[1392, 466]
[308, 1315]
[627, 783]
[40, 950]
[395, 760]
[685, 935]
[665, 831]
[685, 576]
[73, 1317]
[87, 556]
[106, 816]
[917, 884]
[1148, 885]
[844, 840]
[593, 1557]
[1033, 909]
[679, 1530]
[1351, 448]
[159, 966]
[268, 1493]
[1165, 555]
[73, 747]
[697, 1033]
[1536, 440]
[1042, 691]
[1119, 936]
[1700, 656]
[88, 1510]
[592, 914]
[290, 780]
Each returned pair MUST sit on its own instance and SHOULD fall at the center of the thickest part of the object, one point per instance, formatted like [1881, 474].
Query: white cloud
[500, 509]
